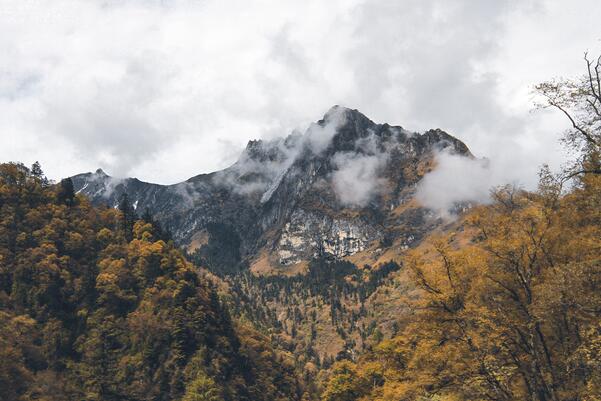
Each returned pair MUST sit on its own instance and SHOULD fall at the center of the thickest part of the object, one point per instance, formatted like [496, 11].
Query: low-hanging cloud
[459, 179]
[356, 178]
[264, 163]
[319, 136]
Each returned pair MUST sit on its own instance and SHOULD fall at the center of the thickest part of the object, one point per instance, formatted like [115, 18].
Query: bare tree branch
[584, 133]
[574, 174]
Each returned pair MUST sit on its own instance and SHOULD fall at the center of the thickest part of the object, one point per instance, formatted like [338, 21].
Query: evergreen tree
[128, 217]
[66, 193]
[37, 173]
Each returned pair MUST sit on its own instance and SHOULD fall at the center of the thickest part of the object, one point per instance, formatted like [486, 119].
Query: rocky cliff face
[344, 186]
[310, 234]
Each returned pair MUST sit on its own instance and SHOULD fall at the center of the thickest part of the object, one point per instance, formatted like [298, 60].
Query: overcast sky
[164, 90]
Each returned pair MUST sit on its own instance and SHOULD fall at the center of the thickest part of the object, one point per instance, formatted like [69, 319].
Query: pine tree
[37, 173]
[66, 193]
[128, 217]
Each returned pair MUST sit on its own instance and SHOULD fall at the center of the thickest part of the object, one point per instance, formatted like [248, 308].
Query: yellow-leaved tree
[508, 304]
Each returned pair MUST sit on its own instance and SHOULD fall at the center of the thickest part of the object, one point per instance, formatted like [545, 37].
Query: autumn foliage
[94, 309]
[515, 314]
[507, 306]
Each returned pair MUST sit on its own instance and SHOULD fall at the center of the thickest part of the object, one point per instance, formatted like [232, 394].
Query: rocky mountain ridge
[343, 187]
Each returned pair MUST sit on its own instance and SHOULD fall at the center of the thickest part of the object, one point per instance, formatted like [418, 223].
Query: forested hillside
[509, 302]
[514, 314]
[96, 305]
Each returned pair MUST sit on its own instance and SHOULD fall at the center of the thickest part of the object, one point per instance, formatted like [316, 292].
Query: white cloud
[164, 90]
[458, 179]
[356, 178]
[319, 136]
[278, 155]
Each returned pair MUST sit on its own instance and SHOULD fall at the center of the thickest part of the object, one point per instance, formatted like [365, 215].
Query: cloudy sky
[164, 90]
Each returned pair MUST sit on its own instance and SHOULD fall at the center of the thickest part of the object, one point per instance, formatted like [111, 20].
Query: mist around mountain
[331, 191]
[355, 261]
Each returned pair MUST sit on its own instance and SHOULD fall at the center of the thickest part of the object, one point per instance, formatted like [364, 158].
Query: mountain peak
[338, 112]
[336, 109]
[344, 164]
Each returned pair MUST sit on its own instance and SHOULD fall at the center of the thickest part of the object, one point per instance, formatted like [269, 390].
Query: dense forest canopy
[513, 315]
[95, 306]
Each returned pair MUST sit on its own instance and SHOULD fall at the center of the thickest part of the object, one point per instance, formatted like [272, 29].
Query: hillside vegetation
[509, 304]
[95, 306]
[514, 315]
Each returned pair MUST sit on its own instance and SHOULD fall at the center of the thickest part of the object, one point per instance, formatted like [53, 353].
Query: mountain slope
[342, 187]
[505, 307]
